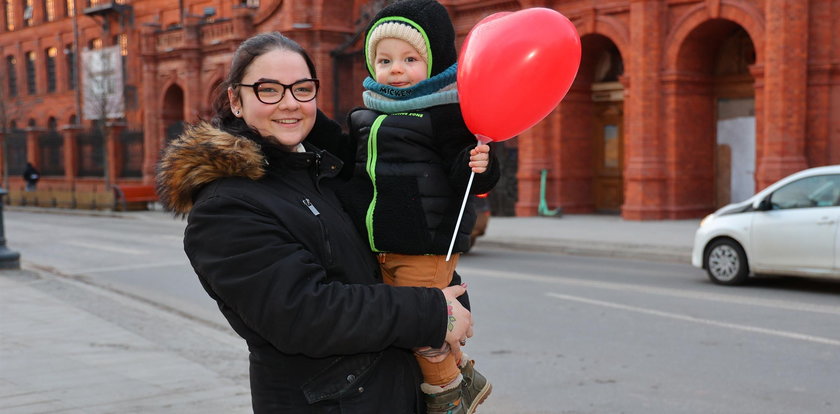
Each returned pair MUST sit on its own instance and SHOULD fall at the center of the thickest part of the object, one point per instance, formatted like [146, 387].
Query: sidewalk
[71, 347]
[594, 235]
[78, 349]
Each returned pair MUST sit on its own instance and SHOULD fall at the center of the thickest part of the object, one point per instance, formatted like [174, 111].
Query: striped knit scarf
[437, 90]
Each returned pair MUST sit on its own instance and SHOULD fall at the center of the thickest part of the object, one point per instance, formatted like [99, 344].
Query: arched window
[52, 124]
[70, 57]
[95, 44]
[11, 64]
[50, 63]
[70, 8]
[30, 73]
[122, 41]
[10, 15]
[72, 120]
[49, 8]
[31, 123]
[28, 13]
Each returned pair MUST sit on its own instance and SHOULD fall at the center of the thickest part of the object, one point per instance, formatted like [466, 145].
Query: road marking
[747, 328]
[714, 297]
[107, 248]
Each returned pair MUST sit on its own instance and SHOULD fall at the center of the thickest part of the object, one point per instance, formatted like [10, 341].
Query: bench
[135, 197]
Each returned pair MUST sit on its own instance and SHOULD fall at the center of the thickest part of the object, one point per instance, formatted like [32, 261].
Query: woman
[269, 242]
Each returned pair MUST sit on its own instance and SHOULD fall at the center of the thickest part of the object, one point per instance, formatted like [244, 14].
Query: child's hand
[480, 158]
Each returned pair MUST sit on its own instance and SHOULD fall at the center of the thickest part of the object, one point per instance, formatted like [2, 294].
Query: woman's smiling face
[286, 122]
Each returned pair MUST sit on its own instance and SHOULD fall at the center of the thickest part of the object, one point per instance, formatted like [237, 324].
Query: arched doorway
[601, 68]
[710, 101]
[173, 113]
[734, 96]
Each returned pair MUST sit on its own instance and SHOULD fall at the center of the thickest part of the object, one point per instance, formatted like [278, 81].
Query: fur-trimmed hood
[202, 154]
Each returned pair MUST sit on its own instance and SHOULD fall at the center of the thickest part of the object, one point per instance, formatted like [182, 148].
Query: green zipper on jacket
[370, 167]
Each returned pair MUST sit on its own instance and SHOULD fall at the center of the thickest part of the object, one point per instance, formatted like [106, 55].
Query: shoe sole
[482, 395]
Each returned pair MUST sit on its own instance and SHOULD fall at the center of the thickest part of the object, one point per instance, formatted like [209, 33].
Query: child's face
[398, 64]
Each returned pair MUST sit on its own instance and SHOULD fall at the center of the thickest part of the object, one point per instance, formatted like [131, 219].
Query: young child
[413, 162]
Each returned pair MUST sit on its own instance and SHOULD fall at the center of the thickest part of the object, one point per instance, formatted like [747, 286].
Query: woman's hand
[480, 158]
[459, 326]
[458, 329]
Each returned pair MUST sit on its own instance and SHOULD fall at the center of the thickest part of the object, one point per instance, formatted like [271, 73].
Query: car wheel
[726, 262]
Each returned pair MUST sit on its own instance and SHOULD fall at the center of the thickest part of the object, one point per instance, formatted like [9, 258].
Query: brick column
[834, 121]
[112, 146]
[33, 152]
[71, 160]
[785, 91]
[191, 54]
[151, 100]
[644, 169]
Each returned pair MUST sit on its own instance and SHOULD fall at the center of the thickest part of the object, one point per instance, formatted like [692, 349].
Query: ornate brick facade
[673, 102]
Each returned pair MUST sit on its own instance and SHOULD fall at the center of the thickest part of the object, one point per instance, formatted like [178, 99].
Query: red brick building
[679, 105]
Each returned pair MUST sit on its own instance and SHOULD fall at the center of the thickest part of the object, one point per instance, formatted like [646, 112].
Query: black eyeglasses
[270, 92]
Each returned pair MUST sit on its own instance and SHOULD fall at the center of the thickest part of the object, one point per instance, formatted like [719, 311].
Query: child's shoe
[446, 402]
[474, 387]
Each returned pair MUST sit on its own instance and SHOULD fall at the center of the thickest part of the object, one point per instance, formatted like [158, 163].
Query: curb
[669, 254]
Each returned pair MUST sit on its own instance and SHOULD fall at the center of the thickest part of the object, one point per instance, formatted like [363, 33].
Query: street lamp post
[8, 259]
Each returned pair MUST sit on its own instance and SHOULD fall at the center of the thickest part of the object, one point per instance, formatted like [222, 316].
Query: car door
[798, 234]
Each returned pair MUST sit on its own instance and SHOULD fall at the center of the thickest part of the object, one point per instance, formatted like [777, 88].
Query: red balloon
[514, 69]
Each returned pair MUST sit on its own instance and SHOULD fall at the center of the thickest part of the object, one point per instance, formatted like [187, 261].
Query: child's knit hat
[424, 24]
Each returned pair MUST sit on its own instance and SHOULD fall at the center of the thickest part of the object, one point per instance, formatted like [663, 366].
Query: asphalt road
[554, 333]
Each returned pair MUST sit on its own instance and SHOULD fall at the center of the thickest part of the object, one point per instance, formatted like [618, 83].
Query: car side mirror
[764, 204]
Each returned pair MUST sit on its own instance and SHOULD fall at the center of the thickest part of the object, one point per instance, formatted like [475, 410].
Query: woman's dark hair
[245, 54]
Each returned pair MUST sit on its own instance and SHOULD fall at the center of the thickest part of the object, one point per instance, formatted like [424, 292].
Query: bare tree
[103, 95]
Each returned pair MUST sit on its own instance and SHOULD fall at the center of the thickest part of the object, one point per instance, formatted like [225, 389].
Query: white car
[789, 228]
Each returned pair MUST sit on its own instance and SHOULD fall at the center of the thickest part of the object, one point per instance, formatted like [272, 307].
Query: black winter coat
[31, 174]
[270, 243]
[410, 177]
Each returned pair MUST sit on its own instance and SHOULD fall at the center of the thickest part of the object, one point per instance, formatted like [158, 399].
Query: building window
[30, 73]
[49, 10]
[70, 8]
[51, 54]
[70, 56]
[95, 44]
[28, 13]
[11, 64]
[122, 41]
[10, 15]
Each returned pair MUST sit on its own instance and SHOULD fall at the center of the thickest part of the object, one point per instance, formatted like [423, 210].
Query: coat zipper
[326, 239]
[370, 167]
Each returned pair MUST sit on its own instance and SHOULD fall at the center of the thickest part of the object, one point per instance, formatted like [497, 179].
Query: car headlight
[706, 220]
